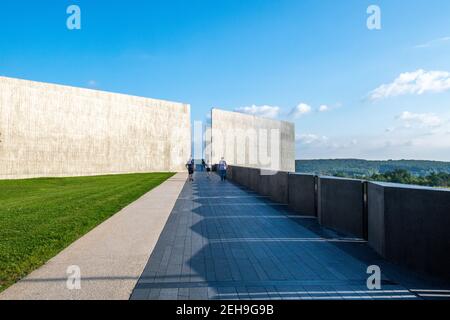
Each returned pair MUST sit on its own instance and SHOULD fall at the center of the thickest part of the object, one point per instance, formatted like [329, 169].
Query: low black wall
[407, 225]
[341, 205]
[273, 184]
[410, 226]
[302, 194]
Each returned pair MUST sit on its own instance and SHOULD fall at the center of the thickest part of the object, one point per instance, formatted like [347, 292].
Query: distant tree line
[440, 179]
[424, 173]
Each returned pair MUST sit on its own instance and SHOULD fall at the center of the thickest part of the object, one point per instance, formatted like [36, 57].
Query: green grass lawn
[41, 217]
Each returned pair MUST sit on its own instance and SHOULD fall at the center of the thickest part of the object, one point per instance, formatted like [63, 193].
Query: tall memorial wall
[251, 141]
[49, 130]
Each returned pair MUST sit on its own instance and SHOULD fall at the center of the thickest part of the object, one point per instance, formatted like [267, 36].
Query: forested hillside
[363, 168]
[425, 173]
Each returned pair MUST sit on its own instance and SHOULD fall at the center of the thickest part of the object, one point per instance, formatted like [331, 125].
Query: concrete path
[225, 242]
[111, 257]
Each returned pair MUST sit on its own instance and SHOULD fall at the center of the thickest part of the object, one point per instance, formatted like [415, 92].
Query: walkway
[225, 242]
[111, 257]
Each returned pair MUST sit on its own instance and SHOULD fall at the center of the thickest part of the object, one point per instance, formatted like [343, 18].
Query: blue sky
[383, 94]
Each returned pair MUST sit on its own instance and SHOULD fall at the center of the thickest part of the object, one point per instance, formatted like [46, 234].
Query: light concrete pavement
[111, 257]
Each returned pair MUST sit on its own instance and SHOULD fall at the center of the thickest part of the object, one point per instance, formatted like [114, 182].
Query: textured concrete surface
[111, 257]
[341, 205]
[410, 226]
[302, 194]
[223, 241]
[240, 139]
[54, 130]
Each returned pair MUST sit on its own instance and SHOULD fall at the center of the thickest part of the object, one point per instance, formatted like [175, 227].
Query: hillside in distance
[358, 168]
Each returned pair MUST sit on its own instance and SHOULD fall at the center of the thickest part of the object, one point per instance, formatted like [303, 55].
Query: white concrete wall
[240, 139]
[53, 130]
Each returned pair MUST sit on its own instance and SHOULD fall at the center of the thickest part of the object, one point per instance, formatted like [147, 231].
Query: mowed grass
[41, 217]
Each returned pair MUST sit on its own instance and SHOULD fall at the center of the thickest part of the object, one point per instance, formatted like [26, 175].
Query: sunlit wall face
[252, 141]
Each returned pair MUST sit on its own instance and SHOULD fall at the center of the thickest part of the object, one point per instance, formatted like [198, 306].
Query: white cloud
[300, 110]
[433, 43]
[315, 140]
[261, 111]
[417, 82]
[421, 119]
[310, 138]
[417, 142]
[398, 145]
[344, 144]
[324, 108]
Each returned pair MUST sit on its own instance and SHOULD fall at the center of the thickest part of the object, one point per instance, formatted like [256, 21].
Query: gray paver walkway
[222, 241]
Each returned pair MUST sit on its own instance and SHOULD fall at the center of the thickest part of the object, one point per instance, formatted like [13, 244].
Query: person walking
[190, 167]
[208, 169]
[203, 165]
[222, 169]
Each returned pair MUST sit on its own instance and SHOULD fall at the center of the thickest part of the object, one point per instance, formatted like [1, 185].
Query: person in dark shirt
[190, 167]
[203, 165]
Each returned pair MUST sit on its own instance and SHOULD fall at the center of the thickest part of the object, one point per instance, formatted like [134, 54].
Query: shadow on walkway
[223, 241]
